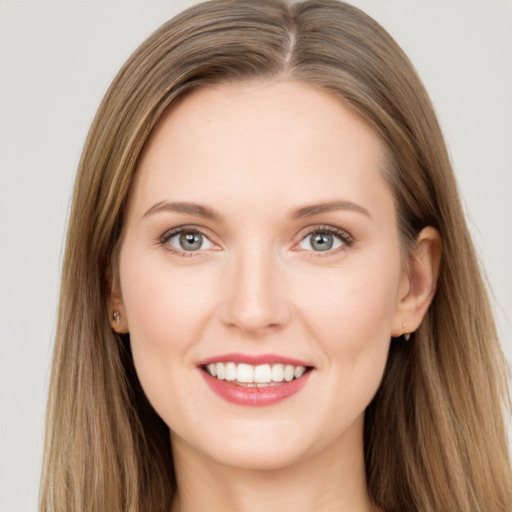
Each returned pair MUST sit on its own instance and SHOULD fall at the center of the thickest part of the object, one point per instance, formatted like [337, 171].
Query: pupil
[322, 242]
[191, 241]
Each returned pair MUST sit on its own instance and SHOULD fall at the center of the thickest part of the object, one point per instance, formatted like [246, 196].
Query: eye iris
[191, 241]
[321, 241]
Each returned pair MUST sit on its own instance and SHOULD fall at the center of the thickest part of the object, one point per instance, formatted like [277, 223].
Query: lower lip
[254, 396]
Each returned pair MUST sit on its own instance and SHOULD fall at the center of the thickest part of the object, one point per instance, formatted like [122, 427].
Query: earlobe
[116, 311]
[422, 275]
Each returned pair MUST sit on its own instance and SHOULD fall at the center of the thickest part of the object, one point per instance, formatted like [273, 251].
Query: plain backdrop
[56, 60]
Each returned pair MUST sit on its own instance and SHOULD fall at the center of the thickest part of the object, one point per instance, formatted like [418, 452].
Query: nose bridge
[256, 300]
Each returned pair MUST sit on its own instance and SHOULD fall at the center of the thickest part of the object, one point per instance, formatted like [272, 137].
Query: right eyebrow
[184, 207]
[317, 209]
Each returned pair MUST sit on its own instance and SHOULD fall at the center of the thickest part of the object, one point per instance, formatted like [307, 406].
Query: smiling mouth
[262, 375]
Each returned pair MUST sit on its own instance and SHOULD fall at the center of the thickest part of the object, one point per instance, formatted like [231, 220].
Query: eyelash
[346, 239]
[164, 240]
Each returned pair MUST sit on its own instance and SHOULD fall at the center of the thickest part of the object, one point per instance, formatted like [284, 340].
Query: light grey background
[57, 59]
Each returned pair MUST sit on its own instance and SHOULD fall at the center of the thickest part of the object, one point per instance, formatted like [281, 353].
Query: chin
[248, 445]
[259, 457]
[270, 445]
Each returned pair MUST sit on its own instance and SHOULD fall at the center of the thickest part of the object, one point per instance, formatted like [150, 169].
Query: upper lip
[253, 359]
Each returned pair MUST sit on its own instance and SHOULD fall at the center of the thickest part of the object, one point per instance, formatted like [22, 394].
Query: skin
[255, 154]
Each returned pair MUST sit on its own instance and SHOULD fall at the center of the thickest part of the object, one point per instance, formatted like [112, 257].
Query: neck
[332, 480]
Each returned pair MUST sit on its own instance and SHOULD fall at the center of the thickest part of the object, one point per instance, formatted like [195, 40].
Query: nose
[255, 294]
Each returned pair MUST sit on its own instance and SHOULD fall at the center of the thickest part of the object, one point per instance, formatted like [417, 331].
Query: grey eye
[320, 241]
[189, 241]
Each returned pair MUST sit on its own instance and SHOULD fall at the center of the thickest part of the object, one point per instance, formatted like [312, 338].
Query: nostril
[256, 316]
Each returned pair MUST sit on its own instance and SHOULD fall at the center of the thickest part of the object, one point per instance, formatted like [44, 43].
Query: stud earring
[115, 316]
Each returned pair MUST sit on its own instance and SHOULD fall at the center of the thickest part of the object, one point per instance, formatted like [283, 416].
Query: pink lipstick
[254, 380]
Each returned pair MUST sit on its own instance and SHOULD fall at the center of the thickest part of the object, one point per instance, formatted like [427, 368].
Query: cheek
[160, 299]
[353, 322]
[351, 314]
[166, 310]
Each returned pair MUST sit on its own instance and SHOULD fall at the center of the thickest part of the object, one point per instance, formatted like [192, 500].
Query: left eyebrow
[331, 206]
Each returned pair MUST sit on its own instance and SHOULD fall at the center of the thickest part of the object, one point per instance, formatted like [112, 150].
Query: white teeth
[277, 372]
[212, 368]
[245, 373]
[262, 375]
[231, 373]
[221, 371]
[299, 371]
[289, 372]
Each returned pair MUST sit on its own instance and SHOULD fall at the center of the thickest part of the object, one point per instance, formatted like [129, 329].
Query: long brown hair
[434, 434]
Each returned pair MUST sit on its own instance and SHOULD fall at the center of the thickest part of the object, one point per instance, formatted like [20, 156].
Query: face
[260, 273]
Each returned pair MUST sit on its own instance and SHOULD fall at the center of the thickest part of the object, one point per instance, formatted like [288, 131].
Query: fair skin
[249, 268]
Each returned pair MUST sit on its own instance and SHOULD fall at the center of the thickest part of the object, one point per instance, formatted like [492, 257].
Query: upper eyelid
[180, 229]
[342, 233]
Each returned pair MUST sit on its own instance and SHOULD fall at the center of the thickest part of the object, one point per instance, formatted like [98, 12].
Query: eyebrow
[211, 214]
[331, 206]
[183, 207]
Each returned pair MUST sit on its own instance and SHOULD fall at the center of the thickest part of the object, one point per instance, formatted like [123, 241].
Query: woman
[270, 299]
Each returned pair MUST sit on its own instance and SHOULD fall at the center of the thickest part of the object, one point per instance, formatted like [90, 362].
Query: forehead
[267, 141]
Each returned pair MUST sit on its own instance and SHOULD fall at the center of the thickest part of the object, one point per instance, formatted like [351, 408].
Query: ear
[419, 281]
[116, 311]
